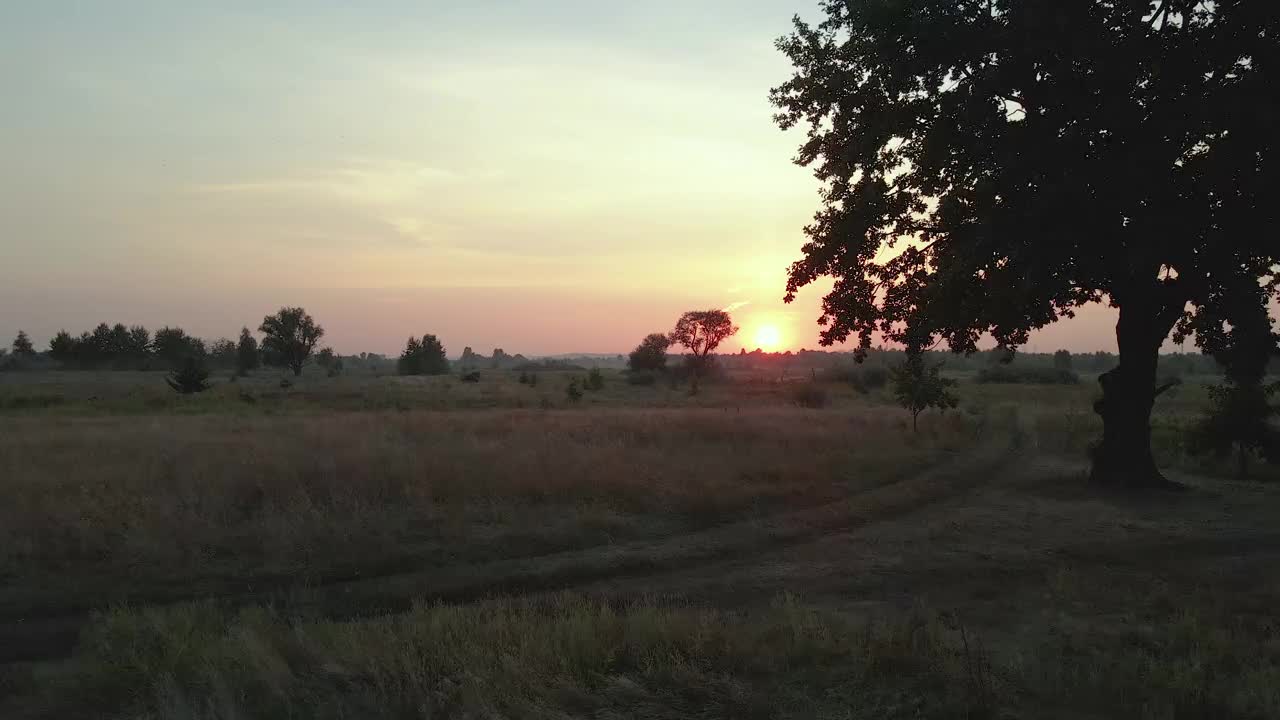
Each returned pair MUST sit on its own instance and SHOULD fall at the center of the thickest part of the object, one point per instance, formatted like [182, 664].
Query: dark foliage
[919, 386]
[701, 332]
[222, 353]
[289, 337]
[192, 378]
[650, 355]
[1039, 156]
[1020, 375]
[594, 381]
[173, 347]
[1062, 360]
[642, 377]
[423, 357]
[864, 378]
[809, 395]
[329, 361]
[247, 358]
[573, 390]
[22, 346]
[1241, 412]
[471, 377]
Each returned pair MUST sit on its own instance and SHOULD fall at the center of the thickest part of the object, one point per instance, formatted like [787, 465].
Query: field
[367, 546]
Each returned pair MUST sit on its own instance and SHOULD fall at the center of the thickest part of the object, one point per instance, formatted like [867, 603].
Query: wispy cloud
[737, 305]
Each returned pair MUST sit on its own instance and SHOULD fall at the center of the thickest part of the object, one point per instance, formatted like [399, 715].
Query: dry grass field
[384, 547]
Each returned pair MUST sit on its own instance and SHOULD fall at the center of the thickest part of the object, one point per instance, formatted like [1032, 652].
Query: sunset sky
[544, 176]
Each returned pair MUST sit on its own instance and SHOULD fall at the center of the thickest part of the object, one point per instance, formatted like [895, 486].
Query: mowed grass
[474, 552]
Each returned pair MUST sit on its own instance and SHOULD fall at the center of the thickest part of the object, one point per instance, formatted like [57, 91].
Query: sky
[544, 176]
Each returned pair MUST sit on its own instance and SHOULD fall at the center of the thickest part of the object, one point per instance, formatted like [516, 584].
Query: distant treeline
[134, 347]
[996, 365]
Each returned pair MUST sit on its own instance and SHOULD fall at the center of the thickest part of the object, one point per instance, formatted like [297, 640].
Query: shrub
[595, 380]
[192, 378]
[643, 377]
[471, 377]
[809, 395]
[573, 391]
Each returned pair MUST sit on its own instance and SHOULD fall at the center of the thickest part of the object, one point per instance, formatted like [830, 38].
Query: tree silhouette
[173, 346]
[289, 336]
[1024, 159]
[918, 387]
[423, 357]
[62, 348]
[651, 354]
[246, 353]
[701, 332]
[22, 346]
[1241, 412]
[1062, 360]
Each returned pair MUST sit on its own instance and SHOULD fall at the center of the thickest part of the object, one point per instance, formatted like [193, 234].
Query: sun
[768, 337]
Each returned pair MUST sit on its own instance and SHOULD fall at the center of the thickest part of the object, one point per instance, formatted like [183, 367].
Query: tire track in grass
[54, 636]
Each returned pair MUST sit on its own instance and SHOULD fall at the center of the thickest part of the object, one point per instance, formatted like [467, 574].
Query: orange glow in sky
[768, 337]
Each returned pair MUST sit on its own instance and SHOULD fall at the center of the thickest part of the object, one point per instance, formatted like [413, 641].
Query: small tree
[1241, 411]
[1062, 360]
[918, 387]
[247, 353]
[573, 391]
[22, 346]
[701, 332]
[192, 378]
[595, 380]
[289, 337]
[424, 357]
[650, 355]
[329, 361]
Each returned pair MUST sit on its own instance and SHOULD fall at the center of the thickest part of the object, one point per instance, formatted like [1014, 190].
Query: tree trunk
[1124, 458]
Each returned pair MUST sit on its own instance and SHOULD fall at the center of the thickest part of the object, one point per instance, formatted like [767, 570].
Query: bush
[1010, 375]
[595, 380]
[809, 395]
[573, 392]
[471, 377]
[641, 377]
[192, 378]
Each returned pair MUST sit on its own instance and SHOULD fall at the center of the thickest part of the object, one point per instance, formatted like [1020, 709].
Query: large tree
[990, 166]
[701, 332]
[289, 336]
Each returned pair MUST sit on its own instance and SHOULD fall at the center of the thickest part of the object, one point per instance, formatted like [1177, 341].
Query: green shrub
[595, 380]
